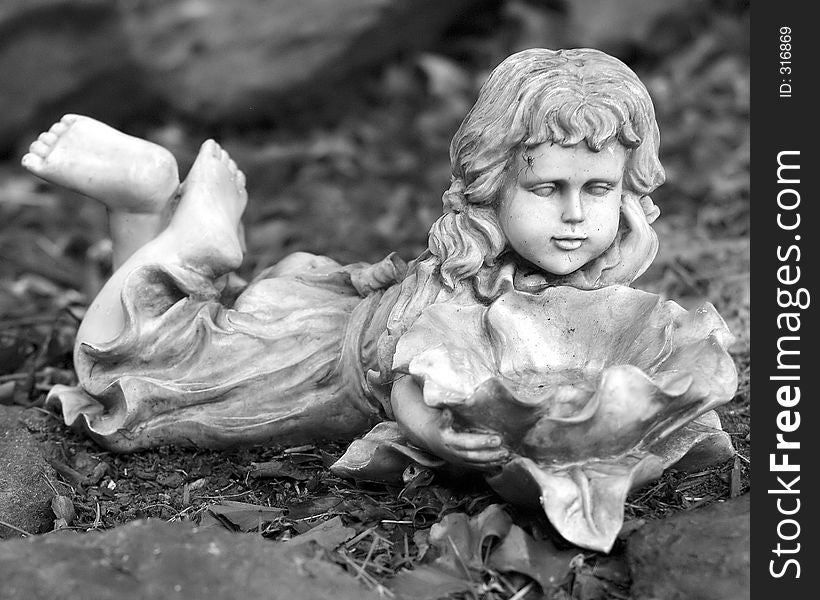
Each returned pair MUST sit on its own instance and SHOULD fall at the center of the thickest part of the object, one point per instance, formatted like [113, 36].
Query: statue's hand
[432, 428]
[476, 450]
[639, 243]
[650, 209]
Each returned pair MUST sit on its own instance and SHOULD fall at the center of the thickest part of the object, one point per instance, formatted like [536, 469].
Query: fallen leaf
[588, 587]
[198, 484]
[276, 469]
[415, 477]
[453, 539]
[69, 474]
[207, 520]
[304, 509]
[64, 510]
[90, 467]
[461, 540]
[369, 511]
[244, 516]
[538, 559]
[421, 538]
[613, 569]
[329, 535]
[602, 578]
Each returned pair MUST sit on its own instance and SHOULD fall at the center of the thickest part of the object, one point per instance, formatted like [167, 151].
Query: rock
[148, 560]
[25, 496]
[231, 62]
[58, 56]
[701, 554]
[236, 61]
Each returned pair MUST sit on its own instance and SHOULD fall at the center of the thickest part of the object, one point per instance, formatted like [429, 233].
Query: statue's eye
[599, 189]
[545, 190]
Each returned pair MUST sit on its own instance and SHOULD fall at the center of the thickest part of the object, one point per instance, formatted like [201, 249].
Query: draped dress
[285, 362]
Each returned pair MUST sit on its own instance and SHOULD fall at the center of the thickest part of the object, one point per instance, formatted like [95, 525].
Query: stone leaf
[382, 455]
[582, 387]
[584, 502]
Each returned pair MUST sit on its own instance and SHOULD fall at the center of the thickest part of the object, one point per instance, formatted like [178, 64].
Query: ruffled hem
[283, 365]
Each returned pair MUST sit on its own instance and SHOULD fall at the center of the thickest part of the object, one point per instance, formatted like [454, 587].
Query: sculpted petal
[584, 502]
[593, 392]
[382, 455]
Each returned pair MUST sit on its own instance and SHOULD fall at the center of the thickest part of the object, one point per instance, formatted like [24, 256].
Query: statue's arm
[432, 429]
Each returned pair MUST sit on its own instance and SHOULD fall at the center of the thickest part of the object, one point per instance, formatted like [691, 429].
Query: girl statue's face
[561, 209]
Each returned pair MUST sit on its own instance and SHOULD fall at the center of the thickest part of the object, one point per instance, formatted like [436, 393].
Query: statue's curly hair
[537, 96]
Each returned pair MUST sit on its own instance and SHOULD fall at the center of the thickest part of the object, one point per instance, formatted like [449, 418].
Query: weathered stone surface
[239, 61]
[700, 554]
[25, 497]
[149, 560]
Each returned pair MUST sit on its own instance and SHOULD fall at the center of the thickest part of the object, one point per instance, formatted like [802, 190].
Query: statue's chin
[558, 269]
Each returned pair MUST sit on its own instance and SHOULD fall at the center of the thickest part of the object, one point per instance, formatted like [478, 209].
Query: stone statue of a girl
[512, 346]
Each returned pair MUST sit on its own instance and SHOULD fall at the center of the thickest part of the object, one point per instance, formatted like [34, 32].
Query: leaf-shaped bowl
[585, 387]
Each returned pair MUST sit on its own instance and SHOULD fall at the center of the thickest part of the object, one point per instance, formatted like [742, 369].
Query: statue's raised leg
[134, 178]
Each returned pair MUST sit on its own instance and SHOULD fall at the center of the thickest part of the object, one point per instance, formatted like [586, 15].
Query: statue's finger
[469, 441]
[633, 211]
[650, 209]
[484, 457]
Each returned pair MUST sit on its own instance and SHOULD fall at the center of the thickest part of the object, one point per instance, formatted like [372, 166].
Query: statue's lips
[569, 243]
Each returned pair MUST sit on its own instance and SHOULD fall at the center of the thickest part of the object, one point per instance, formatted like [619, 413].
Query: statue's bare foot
[126, 173]
[206, 224]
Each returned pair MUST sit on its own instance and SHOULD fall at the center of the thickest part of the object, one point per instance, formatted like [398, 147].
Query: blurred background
[340, 113]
